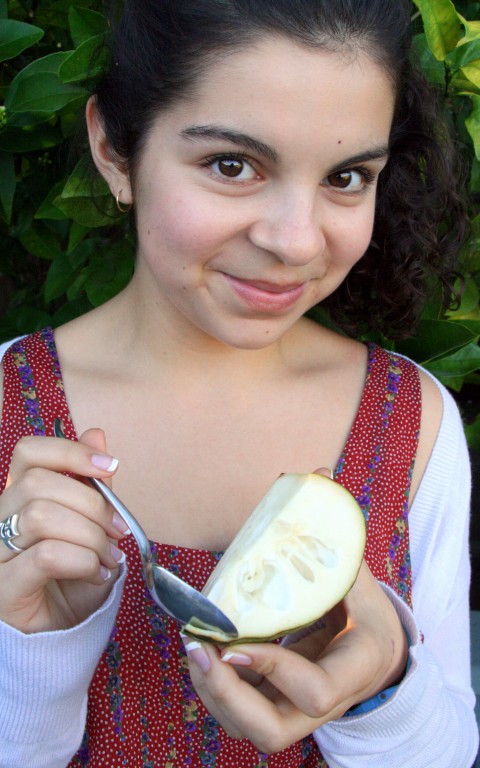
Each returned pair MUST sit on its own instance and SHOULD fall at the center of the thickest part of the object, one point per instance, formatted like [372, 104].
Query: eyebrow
[232, 136]
[376, 153]
[216, 132]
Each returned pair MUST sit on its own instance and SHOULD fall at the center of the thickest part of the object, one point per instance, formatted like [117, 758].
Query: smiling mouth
[261, 294]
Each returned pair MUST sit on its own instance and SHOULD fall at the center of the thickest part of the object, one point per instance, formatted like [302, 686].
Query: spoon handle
[135, 527]
[137, 531]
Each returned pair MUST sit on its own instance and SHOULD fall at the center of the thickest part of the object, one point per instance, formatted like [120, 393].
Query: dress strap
[377, 463]
[33, 393]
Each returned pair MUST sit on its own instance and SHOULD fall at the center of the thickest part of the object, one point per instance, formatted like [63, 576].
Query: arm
[293, 690]
[45, 674]
[430, 720]
[43, 710]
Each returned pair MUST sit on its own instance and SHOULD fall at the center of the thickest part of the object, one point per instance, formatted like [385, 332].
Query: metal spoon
[181, 601]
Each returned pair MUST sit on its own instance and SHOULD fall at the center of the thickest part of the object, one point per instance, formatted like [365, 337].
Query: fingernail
[105, 573]
[119, 523]
[198, 655]
[117, 554]
[237, 658]
[102, 461]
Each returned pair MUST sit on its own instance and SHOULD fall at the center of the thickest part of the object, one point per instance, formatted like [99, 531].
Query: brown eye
[355, 180]
[230, 167]
[340, 180]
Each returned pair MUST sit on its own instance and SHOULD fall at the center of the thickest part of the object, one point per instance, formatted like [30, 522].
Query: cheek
[184, 225]
[353, 235]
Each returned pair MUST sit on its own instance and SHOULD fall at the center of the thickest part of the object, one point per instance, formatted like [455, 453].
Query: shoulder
[313, 348]
[4, 347]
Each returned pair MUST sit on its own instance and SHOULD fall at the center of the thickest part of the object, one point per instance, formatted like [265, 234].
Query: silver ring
[9, 531]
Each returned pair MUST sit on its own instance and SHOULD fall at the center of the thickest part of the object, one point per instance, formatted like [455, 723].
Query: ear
[116, 177]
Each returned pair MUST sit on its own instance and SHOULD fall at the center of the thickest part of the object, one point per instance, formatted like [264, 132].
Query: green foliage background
[63, 251]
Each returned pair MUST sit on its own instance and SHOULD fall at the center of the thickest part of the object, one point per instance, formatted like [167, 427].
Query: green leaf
[472, 30]
[473, 124]
[459, 364]
[65, 269]
[474, 183]
[37, 88]
[469, 300]
[109, 272]
[435, 338]
[41, 242]
[77, 234]
[56, 13]
[85, 24]
[473, 326]
[44, 92]
[16, 36]
[48, 209]
[464, 54]
[76, 288]
[22, 141]
[434, 70]
[472, 72]
[8, 183]
[87, 61]
[87, 201]
[472, 432]
[44, 65]
[24, 319]
[3, 9]
[442, 24]
[459, 85]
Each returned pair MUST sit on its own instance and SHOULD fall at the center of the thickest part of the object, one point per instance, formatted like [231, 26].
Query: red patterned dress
[143, 711]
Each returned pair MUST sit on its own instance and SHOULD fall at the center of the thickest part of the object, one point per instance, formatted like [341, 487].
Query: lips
[263, 295]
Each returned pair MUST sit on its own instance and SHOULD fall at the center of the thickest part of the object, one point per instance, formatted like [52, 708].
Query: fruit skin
[295, 558]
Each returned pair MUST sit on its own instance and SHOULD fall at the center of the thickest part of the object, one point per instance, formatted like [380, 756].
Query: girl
[276, 156]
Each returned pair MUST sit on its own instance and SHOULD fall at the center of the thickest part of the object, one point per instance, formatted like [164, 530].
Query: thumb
[94, 438]
[326, 471]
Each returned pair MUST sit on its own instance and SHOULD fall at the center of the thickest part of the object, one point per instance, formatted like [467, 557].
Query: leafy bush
[64, 252]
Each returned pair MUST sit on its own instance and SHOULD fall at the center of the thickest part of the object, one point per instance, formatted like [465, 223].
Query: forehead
[283, 91]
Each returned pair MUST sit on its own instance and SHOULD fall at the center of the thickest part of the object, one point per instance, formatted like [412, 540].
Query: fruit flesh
[296, 557]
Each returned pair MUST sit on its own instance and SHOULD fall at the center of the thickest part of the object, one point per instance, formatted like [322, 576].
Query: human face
[256, 197]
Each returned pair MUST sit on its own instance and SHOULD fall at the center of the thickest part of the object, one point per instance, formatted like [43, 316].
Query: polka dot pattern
[143, 711]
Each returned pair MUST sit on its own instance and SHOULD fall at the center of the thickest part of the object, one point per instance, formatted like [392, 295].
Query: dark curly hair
[160, 49]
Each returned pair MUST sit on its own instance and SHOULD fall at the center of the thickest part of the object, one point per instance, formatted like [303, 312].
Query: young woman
[276, 155]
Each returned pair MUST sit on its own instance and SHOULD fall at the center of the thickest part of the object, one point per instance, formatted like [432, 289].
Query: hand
[67, 532]
[290, 691]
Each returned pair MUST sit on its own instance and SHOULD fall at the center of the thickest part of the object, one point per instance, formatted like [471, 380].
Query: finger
[61, 456]
[37, 497]
[325, 471]
[241, 709]
[304, 684]
[29, 574]
[42, 520]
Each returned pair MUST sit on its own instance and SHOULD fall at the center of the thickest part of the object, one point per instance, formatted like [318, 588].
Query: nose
[289, 226]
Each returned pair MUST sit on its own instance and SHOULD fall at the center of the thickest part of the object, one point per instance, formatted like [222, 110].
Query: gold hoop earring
[122, 208]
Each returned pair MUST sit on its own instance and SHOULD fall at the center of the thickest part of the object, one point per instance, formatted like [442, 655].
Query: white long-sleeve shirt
[430, 719]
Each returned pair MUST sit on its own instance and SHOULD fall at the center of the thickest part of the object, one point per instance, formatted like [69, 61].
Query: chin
[253, 339]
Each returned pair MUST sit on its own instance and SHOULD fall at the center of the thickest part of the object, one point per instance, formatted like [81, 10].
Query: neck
[145, 330]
